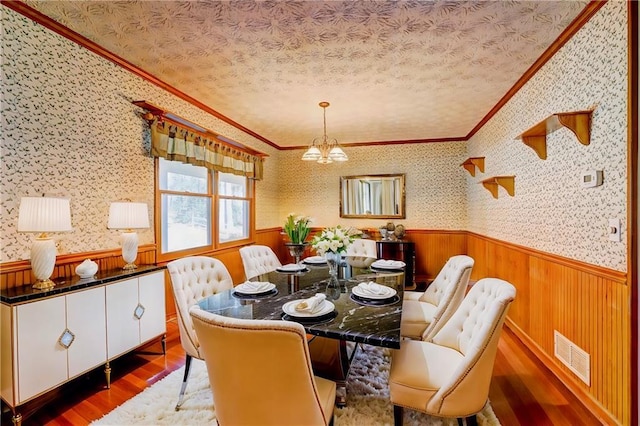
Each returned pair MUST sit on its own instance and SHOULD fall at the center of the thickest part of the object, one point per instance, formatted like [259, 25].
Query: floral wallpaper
[69, 129]
[435, 184]
[551, 211]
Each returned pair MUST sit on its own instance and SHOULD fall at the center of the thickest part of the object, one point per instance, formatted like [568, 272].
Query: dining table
[333, 336]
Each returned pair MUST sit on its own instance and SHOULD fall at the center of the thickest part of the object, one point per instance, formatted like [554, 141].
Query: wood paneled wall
[587, 304]
[433, 248]
[17, 274]
[275, 239]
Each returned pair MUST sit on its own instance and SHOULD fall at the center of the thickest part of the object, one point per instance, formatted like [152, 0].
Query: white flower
[335, 239]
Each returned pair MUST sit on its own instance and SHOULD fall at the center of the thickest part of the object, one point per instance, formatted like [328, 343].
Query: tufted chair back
[474, 331]
[265, 367]
[362, 253]
[447, 291]
[449, 375]
[192, 279]
[258, 260]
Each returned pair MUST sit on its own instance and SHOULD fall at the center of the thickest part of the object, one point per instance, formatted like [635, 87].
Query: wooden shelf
[471, 163]
[579, 122]
[507, 182]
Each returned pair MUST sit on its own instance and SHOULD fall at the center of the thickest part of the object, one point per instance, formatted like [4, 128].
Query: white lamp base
[43, 260]
[129, 241]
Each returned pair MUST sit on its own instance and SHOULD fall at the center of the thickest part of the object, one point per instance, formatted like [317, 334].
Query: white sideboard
[49, 338]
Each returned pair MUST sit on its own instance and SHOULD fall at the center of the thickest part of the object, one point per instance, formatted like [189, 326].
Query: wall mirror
[372, 196]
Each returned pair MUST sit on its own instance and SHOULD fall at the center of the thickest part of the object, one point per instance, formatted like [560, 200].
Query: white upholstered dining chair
[260, 372]
[361, 253]
[192, 279]
[258, 260]
[423, 313]
[449, 375]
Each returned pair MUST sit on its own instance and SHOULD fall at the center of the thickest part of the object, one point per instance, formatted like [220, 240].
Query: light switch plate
[614, 230]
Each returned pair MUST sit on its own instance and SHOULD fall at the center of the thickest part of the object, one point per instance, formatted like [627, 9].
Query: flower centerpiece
[297, 229]
[335, 239]
[331, 242]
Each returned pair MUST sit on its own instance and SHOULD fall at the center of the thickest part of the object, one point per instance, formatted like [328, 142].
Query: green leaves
[297, 228]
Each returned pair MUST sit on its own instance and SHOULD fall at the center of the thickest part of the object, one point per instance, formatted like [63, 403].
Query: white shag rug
[367, 399]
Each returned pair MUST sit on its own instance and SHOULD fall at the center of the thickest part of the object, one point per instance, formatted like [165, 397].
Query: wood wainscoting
[587, 304]
[17, 274]
[433, 249]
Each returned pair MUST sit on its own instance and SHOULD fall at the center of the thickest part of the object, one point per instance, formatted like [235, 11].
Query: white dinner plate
[388, 264]
[314, 260]
[246, 289]
[390, 293]
[289, 308]
[291, 267]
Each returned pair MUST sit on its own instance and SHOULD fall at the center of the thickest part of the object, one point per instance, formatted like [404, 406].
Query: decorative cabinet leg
[164, 344]
[16, 419]
[107, 374]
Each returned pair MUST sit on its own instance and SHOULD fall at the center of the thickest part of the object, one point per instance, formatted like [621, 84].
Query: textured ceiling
[402, 70]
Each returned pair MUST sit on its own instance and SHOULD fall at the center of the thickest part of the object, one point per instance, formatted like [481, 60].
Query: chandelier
[324, 150]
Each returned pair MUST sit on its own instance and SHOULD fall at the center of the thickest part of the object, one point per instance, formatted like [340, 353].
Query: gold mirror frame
[371, 188]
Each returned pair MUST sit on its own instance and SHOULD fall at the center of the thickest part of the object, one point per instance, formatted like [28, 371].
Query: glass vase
[333, 260]
[333, 284]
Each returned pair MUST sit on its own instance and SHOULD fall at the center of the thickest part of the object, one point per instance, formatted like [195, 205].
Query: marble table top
[375, 325]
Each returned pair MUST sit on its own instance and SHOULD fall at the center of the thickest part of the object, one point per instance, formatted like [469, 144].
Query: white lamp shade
[44, 214]
[128, 215]
[338, 154]
[312, 154]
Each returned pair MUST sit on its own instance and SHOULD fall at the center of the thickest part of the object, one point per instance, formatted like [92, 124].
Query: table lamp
[42, 215]
[127, 216]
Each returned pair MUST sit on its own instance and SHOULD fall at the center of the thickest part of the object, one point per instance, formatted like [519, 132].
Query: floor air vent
[572, 356]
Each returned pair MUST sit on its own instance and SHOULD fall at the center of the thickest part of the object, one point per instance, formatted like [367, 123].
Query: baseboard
[587, 399]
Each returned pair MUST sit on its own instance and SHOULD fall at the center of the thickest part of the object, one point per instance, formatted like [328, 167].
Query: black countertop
[375, 325]
[27, 293]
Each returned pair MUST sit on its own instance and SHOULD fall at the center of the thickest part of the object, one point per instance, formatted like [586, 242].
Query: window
[187, 198]
[233, 208]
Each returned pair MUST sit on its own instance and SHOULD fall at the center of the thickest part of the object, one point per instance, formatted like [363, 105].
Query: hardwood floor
[523, 391]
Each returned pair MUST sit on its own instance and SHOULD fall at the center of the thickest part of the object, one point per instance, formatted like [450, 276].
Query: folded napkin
[312, 304]
[291, 267]
[373, 289]
[255, 286]
[389, 263]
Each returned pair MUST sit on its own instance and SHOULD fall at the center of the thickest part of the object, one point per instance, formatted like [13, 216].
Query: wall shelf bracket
[507, 182]
[579, 122]
[471, 163]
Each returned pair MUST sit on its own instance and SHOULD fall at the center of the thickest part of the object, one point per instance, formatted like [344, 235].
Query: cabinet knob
[139, 311]
[66, 338]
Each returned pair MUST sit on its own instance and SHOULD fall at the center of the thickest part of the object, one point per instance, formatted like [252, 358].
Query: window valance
[177, 139]
[177, 143]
